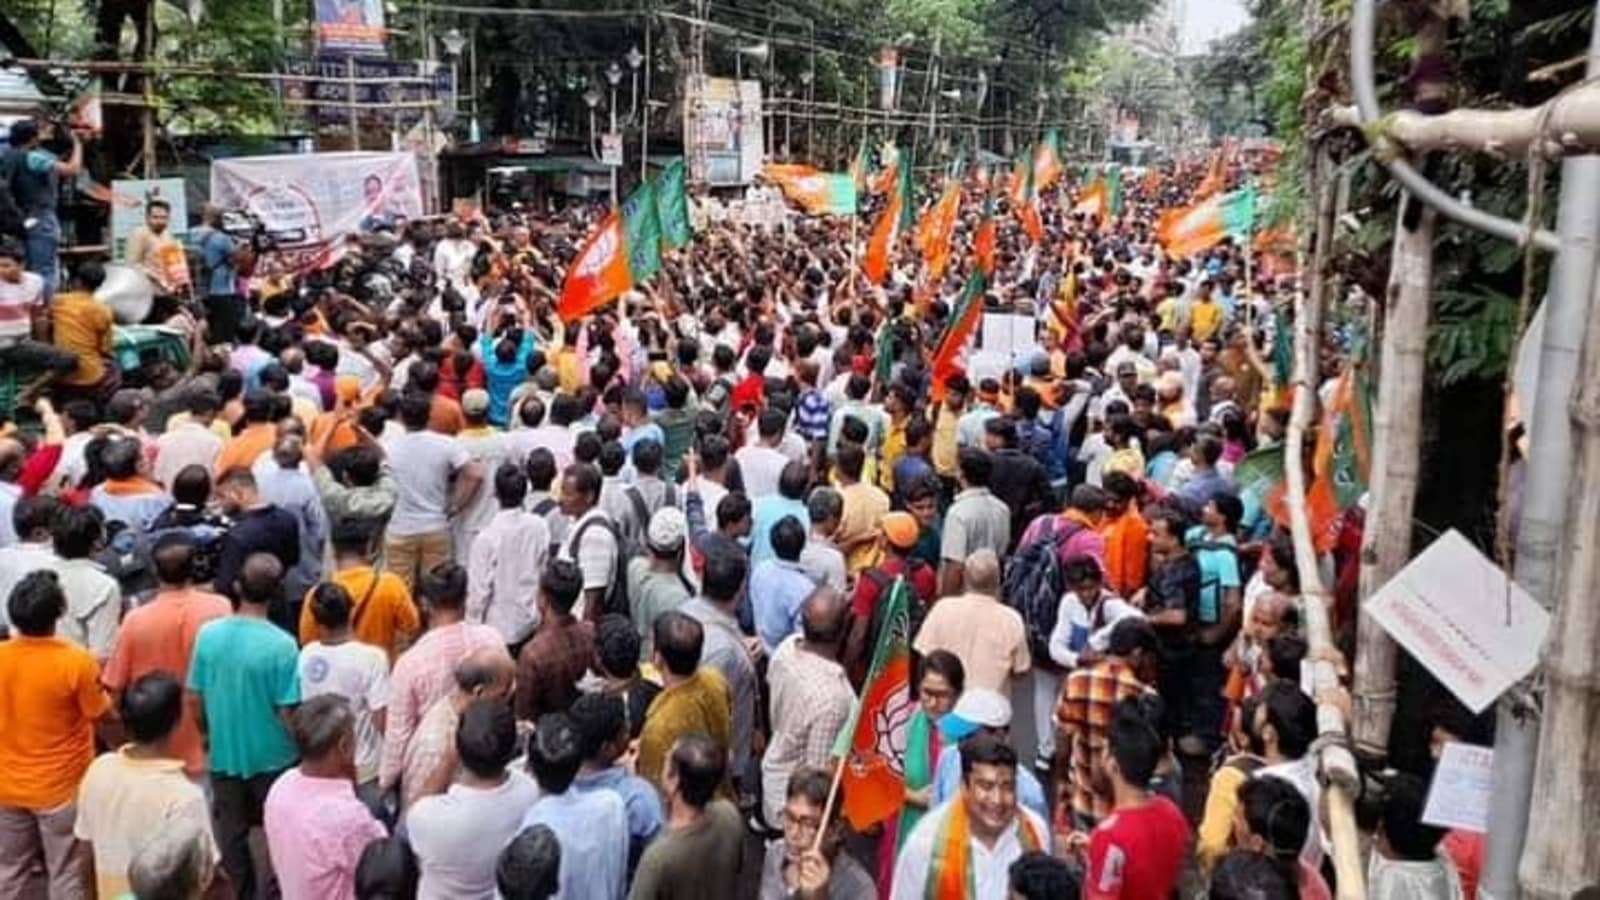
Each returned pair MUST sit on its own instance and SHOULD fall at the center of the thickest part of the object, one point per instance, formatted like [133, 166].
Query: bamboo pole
[1335, 761]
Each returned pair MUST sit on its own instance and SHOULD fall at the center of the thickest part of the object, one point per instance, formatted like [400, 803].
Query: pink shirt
[316, 830]
[422, 675]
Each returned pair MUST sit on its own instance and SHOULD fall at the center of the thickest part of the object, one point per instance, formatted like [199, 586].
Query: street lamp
[634, 59]
[806, 78]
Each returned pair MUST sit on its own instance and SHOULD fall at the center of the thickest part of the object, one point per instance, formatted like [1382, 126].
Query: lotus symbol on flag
[605, 245]
[892, 720]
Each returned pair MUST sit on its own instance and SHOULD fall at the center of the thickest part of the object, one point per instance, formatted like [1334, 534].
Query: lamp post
[614, 78]
[591, 99]
[977, 114]
[788, 118]
[635, 59]
[954, 96]
[806, 79]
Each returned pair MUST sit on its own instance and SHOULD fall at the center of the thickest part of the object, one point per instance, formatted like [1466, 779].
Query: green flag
[908, 212]
[1114, 190]
[641, 229]
[672, 204]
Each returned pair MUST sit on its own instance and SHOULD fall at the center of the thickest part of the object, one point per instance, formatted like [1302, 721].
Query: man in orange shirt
[382, 612]
[1126, 534]
[82, 326]
[260, 432]
[160, 635]
[444, 413]
[49, 709]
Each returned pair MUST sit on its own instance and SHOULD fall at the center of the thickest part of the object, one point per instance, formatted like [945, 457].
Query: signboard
[722, 130]
[1459, 794]
[350, 26]
[611, 149]
[319, 197]
[1461, 617]
[1009, 335]
[378, 81]
[128, 199]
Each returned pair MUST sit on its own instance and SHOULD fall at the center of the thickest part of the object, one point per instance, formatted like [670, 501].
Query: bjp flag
[599, 273]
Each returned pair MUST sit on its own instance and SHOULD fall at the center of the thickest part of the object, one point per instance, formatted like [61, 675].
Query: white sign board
[1010, 335]
[129, 198]
[1459, 795]
[1461, 617]
[723, 134]
[320, 197]
[611, 149]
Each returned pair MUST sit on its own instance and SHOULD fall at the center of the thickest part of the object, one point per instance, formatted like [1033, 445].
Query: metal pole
[350, 99]
[1544, 500]
[613, 131]
[644, 115]
[149, 123]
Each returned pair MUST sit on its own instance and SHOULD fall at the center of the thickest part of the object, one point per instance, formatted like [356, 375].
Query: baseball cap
[977, 708]
[475, 402]
[667, 530]
[901, 530]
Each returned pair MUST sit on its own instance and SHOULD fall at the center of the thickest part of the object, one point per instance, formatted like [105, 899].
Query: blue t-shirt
[501, 378]
[1218, 557]
[245, 669]
[216, 257]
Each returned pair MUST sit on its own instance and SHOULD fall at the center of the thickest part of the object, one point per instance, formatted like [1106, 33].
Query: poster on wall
[352, 27]
[722, 131]
[129, 197]
[316, 200]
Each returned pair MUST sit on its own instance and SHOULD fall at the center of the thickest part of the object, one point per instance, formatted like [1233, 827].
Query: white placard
[1459, 795]
[1461, 617]
[611, 149]
[1010, 335]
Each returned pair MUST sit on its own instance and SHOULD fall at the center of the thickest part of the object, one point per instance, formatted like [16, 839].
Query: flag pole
[833, 792]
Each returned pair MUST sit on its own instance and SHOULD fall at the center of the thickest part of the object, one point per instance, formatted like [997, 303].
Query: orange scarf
[950, 874]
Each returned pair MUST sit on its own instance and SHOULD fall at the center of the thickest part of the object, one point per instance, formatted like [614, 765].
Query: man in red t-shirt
[899, 532]
[1138, 851]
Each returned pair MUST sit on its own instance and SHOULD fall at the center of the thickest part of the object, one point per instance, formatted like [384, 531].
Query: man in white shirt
[458, 835]
[762, 463]
[94, 600]
[506, 561]
[492, 448]
[435, 479]
[31, 517]
[1000, 830]
[192, 443]
[591, 540]
[339, 664]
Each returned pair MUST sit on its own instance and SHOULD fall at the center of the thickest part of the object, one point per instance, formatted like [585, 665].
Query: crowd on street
[394, 584]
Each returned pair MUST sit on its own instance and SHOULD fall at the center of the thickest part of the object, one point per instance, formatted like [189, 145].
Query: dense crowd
[453, 599]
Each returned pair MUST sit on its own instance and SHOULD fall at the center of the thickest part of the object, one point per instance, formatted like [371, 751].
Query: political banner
[314, 200]
[350, 26]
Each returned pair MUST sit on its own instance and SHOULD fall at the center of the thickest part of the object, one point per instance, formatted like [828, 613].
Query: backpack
[616, 597]
[1033, 585]
[633, 538]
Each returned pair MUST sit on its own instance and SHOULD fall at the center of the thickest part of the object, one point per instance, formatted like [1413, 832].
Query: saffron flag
[672, 205]
[626, 248]
[818, 193]
[858, 167]
[1212, 183]
[983, 243]
[1093, 200]
[598, 274]
[894, 218]
[1047, 161]
[940, 227]
[887, 177]
[871, 748]
[1206, 223]
[963, 322]
[1023, 199]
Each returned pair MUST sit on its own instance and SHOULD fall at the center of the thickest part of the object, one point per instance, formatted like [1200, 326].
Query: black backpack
[1034, 583]
[616, 599]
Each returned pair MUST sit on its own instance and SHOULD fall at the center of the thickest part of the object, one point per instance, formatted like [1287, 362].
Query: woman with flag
[940, 683]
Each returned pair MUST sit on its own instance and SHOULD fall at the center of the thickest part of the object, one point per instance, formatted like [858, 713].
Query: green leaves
[1473, 334]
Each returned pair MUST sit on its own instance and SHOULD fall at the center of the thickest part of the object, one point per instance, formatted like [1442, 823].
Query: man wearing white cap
[655, 582]
[965, 847]
[980, 711]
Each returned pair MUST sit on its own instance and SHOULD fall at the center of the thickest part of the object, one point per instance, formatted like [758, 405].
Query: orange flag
[936, 242]
[1031, 223]
[983, 245]
[1095, 201]
[876, 262]
[598, 274]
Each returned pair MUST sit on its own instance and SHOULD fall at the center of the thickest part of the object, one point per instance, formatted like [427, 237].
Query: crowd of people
[453, 599]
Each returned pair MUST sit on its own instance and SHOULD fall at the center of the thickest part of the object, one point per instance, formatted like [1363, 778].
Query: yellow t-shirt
[1205, 319]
